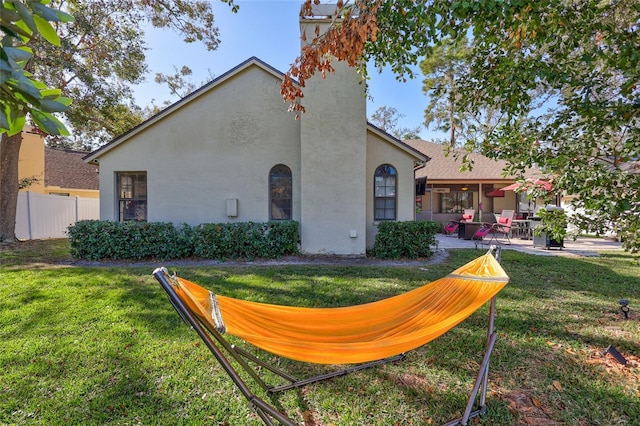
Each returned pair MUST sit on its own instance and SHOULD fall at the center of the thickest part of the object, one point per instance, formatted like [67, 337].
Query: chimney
[333, 152]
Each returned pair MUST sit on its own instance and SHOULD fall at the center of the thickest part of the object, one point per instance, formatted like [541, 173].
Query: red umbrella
[529, 183]
[495, 193]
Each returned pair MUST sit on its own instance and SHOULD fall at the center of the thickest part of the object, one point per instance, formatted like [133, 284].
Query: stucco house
[448, 191]
[231, 151]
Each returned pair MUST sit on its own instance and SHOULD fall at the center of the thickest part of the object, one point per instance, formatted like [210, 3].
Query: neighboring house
[59, 189]
[55, 171]
[449, 191]
[232, 152]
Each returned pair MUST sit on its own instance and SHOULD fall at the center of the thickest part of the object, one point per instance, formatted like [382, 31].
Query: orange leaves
[309, 418]
[345, 40]
[373, 30]
[290, 90]
[363, 31]
[536, 401]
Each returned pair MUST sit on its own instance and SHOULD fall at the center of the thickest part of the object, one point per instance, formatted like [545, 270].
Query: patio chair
[453, 225]
[367, 335]
[500, 231]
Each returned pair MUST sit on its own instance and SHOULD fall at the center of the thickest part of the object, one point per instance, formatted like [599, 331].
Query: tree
[583, 53]
[23, 95]
[179, 83]
[386, 118]
[442, 67]
[101, 55]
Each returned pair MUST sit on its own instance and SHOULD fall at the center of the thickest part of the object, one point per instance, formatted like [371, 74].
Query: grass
[101, 345]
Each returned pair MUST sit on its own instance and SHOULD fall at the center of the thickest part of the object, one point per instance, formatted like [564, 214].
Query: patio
[583, 246]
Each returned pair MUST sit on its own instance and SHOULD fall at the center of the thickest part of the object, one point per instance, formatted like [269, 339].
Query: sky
[268, 30]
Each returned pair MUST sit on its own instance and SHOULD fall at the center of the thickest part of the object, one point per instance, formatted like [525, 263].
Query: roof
[65, 168]
[447, 167]
[253, 61]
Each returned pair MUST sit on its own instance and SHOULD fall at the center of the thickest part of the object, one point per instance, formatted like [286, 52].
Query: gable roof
[65, 168]
[253, 61]
[447, 167]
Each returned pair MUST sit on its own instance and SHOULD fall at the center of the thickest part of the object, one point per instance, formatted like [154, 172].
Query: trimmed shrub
[97, 240]
[411, 239]
[246, 240]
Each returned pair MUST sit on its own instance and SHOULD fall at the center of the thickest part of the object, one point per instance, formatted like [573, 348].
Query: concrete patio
[582, 246]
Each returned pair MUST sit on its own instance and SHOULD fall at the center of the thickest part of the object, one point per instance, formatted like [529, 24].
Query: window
[132, 196]
[384, 193]
[456, 202]
[280, 183]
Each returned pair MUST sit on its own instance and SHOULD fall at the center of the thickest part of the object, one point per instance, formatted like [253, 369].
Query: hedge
[412, 239]
[100, 240]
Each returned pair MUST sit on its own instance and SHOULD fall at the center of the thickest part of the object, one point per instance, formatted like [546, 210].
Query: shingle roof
[66, 169]
[443, 167]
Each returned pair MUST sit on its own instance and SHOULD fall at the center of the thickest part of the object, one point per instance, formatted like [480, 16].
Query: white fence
[41, 216]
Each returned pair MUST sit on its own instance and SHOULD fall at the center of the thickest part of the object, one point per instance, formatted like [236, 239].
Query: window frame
[283, 204]
[386, 172]
[457, 201]
[138, 209]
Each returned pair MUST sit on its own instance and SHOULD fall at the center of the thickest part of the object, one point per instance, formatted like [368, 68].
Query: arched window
[280, 193]
[384, 193]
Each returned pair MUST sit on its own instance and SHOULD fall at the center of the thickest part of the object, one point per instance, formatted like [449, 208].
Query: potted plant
[553, 226]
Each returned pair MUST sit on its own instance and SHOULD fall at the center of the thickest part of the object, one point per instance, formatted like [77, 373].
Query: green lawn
[102, 345]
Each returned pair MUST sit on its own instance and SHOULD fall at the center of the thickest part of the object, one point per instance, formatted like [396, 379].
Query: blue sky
[267, 29]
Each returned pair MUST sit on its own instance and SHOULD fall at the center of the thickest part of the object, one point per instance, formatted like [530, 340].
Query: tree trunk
[452, 105]
[9, 185]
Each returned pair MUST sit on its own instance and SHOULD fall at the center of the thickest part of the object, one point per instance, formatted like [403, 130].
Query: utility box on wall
[232, 207]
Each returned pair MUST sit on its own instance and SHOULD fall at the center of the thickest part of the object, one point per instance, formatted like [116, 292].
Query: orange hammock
[352, 334]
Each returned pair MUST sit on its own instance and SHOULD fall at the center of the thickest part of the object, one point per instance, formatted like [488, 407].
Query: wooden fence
[42, 216]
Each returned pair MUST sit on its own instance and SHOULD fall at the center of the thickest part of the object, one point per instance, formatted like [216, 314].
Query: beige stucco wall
[219, 146]
[508, 202]
[333, 160]
[381, 152]
[31, 161]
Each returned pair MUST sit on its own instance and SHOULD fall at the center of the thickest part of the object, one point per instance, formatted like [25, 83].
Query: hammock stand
[267, 412]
